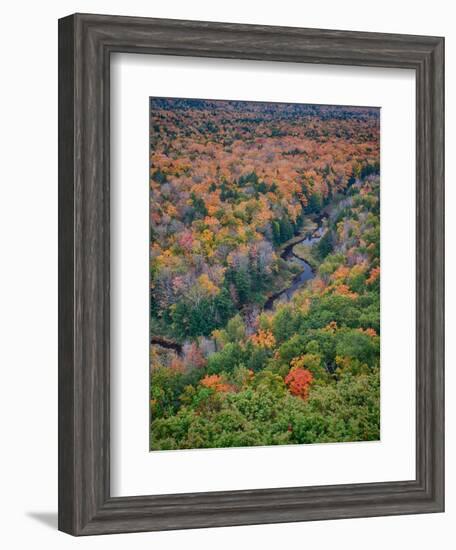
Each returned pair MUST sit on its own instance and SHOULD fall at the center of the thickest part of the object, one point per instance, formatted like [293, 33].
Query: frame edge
[67, 517]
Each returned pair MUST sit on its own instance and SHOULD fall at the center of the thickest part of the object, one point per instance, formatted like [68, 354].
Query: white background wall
[28, 290]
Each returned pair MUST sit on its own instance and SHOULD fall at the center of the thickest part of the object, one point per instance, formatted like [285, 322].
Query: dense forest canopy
[242, 196]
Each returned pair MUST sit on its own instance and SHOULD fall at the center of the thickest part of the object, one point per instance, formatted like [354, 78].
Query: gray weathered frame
[85, 45]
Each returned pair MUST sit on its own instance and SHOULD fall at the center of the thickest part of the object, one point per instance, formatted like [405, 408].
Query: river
[287, 254]
[306, 273]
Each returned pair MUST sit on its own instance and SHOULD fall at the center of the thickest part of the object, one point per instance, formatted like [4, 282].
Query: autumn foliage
[244, 349]
[298, 381]
[216, 383]
[264, 339]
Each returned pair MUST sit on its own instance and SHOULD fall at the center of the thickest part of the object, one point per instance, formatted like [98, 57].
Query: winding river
[307, 272]
[285, 294]
[165, 343]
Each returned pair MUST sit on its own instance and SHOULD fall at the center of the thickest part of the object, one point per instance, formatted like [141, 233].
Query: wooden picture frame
[85, 45]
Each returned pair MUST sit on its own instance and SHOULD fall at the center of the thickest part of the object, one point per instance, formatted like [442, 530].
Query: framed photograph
[251, 274]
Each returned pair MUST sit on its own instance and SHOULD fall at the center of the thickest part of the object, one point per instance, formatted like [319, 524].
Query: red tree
[298, 381]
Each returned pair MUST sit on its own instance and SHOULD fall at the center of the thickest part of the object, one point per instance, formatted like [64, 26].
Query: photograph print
[264, 273]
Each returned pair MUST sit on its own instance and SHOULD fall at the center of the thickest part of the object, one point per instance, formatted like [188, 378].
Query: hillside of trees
[232, 184]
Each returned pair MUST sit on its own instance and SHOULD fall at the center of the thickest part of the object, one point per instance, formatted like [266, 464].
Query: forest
[264, 274]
